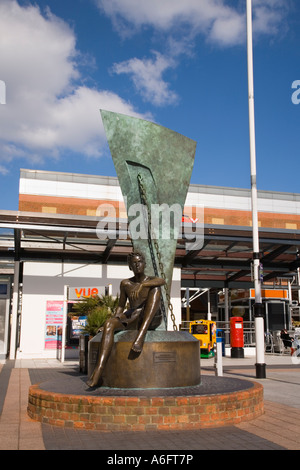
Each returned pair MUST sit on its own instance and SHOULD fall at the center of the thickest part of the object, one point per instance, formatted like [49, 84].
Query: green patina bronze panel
[154, 166]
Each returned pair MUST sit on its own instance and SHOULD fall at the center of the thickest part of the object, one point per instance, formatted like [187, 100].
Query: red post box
[237, 337]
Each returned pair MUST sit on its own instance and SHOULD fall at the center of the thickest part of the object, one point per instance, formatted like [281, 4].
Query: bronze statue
[144, 296]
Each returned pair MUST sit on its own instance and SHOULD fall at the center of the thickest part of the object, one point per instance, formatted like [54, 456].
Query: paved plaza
[277, 429]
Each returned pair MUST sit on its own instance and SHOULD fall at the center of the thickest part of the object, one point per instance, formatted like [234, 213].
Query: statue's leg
[106, 345]
[151, 307]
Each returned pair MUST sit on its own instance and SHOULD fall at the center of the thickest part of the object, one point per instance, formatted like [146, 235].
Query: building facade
[53, 248]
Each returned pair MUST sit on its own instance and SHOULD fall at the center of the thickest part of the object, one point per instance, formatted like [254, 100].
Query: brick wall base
[145, 413]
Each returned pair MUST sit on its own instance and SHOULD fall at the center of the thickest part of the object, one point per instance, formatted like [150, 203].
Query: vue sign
[76, 293]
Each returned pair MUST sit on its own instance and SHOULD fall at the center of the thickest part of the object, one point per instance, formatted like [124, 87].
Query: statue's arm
[153, 282]
[149, 283]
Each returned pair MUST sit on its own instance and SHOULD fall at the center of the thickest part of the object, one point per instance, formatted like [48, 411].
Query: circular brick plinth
[142, 413]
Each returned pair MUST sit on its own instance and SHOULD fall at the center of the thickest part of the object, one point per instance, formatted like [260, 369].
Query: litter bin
[221, 339]
[237, 337]
[83, 353]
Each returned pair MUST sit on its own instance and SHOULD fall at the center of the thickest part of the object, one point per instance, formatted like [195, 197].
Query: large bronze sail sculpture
[154, 166]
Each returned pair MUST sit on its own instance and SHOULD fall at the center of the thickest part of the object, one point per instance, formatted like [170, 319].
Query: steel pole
[14, 313]
[258, 307]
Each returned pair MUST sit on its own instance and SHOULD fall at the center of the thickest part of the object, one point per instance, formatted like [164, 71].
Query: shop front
[48, 295]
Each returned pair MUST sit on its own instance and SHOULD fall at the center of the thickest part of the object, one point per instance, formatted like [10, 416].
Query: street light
[258, 306]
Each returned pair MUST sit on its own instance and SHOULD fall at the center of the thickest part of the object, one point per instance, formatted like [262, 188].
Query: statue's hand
[100, 329]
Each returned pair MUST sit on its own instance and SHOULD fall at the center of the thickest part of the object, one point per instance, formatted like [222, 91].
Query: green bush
[95, 320]
[97, 309]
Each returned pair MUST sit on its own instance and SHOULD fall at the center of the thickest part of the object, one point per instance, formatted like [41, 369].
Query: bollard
[218, 360]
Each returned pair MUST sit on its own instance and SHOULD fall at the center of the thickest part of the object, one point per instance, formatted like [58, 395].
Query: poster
[54, 324]
[77, 325]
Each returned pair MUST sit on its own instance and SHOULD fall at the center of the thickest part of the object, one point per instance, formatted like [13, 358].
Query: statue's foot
[93, 383]
[90, 383]
[137, 346]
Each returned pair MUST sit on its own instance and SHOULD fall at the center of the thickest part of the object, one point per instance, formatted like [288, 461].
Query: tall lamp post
[258, 306]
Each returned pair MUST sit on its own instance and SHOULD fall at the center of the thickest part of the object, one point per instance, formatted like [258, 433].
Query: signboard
[54, 323]
[271, 294]
[77, 293]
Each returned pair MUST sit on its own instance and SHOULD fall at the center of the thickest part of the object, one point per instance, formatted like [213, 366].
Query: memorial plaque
[164, 357]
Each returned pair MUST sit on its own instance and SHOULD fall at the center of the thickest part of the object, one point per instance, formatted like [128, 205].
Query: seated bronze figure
[144, 296]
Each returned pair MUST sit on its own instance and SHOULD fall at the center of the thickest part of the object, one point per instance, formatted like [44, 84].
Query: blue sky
[180, 64]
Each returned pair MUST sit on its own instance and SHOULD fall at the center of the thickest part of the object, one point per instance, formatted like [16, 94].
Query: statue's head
[136, 257]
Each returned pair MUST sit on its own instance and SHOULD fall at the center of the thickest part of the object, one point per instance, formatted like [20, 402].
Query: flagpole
[258, 306]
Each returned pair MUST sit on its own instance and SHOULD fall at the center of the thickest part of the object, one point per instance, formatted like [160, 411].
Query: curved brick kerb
[145, 413]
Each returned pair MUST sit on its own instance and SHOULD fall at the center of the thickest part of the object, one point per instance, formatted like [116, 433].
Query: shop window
[217, 221]
[91, 212]
[291, 226]
[258, 223]
[49, 210]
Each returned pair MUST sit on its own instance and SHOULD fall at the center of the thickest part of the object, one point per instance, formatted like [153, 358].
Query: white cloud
[218, 21]
[147, 76]
[228, 30]
[46, 109]
[268, 16]
[163, 14]
[179, 23]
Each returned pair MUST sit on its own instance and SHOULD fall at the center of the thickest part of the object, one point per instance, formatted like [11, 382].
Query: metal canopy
[226, 257]
[224, 260]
